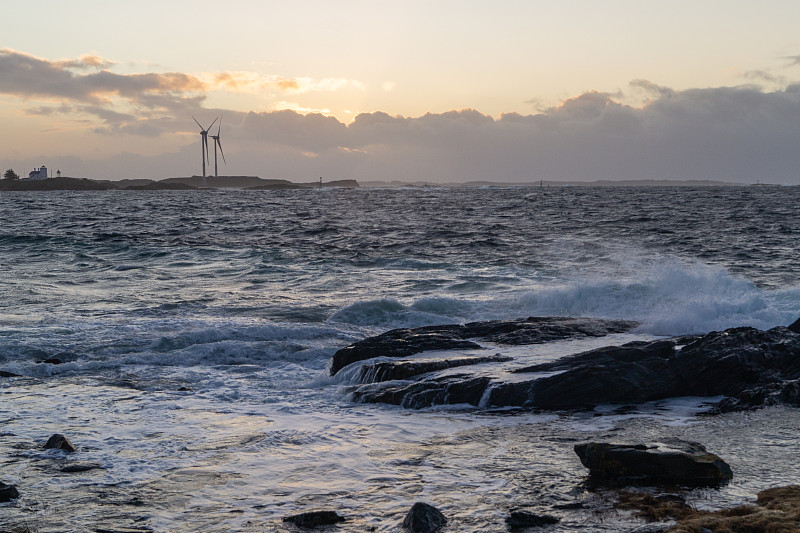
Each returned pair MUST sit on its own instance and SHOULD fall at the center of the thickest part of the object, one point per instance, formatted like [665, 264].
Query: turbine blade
[219, 142]
[212, 123]
[219, 127]
[201, 127]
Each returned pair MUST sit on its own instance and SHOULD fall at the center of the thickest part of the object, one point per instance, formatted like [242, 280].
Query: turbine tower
[204, 145]
[218, 142]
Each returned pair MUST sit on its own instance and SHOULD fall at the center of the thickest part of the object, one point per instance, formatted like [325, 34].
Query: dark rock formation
[59, 442]
[398, 343]
[8, 492]
[448, 390]
[752, 367]
[388, 371]
[313, 519]
[4, 374]
[525, 519]
[533, 330]
[786, 393]
[676, 462]
[424, 518]
[795, 326]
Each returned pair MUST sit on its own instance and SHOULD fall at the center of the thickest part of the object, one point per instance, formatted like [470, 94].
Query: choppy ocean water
[196, 329]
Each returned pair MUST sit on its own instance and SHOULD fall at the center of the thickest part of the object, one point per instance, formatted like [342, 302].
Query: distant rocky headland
[256, 183]
[169, 184]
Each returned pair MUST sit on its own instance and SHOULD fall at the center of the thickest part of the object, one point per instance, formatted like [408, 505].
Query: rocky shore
[749, 367]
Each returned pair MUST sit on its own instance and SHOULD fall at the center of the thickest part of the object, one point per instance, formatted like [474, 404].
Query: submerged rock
[4, 374]
[532, 330]
[676, 462]
[525, 519]
[8, 492]
[80, 467]
[313, 519]
[59, 442]
[424, 518]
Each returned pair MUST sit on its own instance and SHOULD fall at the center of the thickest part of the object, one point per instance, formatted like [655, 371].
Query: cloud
[739, 134]
[27, 76]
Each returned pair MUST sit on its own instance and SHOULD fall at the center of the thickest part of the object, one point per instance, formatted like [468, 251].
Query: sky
[434, 90]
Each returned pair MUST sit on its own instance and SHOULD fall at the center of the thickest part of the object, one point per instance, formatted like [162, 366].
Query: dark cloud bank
[740, 134]
[732, 134]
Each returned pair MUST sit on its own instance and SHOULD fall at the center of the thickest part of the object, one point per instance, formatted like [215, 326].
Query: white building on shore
[38, 174]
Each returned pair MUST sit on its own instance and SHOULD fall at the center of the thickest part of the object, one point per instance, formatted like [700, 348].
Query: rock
[389, 371]
[314, 519]
[753, 367]
[776, 509]
[525, 519]
[80, 467]
[795, 326]
[52, 361]
[59, 442]
[675, 462]
[786, 393]
[532, 330]
[397, 343]
[4, 374]
[424, 518]
[448, 390]
[8, 492]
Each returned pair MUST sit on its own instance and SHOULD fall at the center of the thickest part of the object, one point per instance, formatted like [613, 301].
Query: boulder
[424, 518]
[526, 519]
[314, 519]
[59, 442]
[8, 492]
[4, 374]
[532, 330]
[674, 462]
[795, 326]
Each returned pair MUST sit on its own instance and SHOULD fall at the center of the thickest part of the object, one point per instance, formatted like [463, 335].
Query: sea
[182, 340]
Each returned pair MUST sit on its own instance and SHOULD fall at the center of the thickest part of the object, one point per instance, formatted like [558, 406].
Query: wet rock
[80, 467]
[776, 509]
[448, 390]
[675, 462]
[4, 374]
[717, 364]
[533, 330]
[51, 360]
[398, 343]
[59, 442]
[424, 518]
[314, 519]
[786, 393]
[795, 326]
[8, 492]
[752, 366]
[389, 371]
[525, 519]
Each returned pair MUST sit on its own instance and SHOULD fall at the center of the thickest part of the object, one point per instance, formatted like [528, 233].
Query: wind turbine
[218, 142]
[204, 145]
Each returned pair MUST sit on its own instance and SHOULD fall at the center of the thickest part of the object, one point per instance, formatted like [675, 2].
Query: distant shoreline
[256, 183]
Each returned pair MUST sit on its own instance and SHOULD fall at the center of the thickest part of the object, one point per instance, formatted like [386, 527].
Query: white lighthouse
[38, 173]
